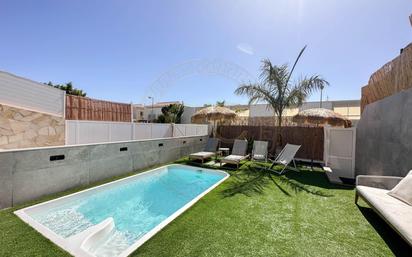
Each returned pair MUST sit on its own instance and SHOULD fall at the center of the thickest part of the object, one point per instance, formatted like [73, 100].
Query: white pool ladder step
[82, 243]
[95, 239]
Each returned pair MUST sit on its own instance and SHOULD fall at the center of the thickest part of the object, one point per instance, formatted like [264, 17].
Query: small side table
[224, 151]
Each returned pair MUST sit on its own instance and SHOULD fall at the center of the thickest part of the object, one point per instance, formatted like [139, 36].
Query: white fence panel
[85, 132]
[71, 132]
[179, 130]
[142, 131]
[161, 130]
[121, 131]
[30, 95]
[190, 130]
[202, 130]
[92, 132]
[339, 151]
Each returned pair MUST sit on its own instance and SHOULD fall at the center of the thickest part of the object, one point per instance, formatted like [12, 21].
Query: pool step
[105, 241]
[81, 243]
[96, 238]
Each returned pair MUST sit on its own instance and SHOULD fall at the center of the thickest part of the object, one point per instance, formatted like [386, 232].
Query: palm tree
[220, 103]
[278, 91]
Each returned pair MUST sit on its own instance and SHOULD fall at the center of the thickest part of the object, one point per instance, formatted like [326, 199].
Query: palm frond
[296, 62]
[310, 84]
[255, 92]
[303, 88]
[275, 88]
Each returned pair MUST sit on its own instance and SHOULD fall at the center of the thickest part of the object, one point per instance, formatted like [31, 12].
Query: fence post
[133, 129]
[131, 112]
[173, 129]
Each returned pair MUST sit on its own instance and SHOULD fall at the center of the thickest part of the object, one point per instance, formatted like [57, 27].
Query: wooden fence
[391, 78]
[311, 138]
[82, 108]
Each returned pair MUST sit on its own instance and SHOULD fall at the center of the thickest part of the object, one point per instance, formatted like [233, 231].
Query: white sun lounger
[209, 151]
[285, 157]
[238, 153]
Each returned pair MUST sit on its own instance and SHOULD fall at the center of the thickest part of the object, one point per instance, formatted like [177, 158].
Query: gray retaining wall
[28, 174]
[384, 137]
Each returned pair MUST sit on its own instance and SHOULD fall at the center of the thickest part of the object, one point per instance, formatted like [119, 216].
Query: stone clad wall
[20, 128]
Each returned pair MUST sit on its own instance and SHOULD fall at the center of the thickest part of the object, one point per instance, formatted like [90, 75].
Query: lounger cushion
[202, 155]
[395, 212]
[284, 162]
[234, 158]
[259, 157]
[403, 190]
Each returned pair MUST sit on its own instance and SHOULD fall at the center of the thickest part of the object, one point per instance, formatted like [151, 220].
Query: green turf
[253, 213]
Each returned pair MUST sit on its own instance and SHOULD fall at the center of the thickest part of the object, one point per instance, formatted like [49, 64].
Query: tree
[220, 103]
[171, 114]
[176, 112]
[278, 91]
[68, 87]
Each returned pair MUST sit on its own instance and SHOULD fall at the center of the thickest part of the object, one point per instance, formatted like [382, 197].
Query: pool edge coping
[67, 245]
[176, 214]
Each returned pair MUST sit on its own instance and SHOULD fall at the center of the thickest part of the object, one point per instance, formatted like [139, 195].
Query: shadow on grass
[314, 178]
[246, 184]
[395, 242]
[253, 179]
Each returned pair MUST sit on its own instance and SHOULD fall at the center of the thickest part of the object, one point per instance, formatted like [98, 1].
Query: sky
[198, 51]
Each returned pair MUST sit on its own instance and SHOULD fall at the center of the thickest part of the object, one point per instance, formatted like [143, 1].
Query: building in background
[149, 113]
[262, 114]
[138, 113]
[348, 108]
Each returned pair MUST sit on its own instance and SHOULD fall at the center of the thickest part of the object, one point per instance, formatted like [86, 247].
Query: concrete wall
[20, 128]
[28, 174]
[384, 136]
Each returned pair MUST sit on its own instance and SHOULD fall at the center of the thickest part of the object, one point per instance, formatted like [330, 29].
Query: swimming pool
[114, 219]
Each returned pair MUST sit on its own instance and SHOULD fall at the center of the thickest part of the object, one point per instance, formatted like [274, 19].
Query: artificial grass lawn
[253, 213]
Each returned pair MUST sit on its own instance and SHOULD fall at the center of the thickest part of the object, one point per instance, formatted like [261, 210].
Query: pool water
[136, 206]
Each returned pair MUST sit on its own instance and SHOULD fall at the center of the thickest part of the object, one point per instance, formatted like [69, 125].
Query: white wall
[86, 132]
[262, 110]
[188, 113]
[24, 93]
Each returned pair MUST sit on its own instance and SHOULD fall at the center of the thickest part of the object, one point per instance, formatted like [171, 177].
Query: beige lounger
[238, 153]
[260, 151]
[285, 157]
[209, 152]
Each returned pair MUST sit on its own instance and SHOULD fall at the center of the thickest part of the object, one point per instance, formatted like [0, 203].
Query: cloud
[245, 48]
